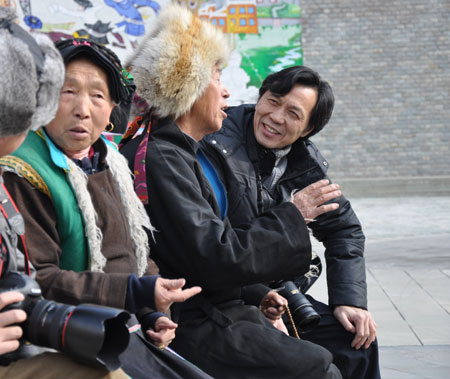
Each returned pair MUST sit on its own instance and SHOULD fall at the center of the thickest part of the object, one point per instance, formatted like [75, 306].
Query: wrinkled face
[11, 143]
[208, 111]
[280, 121]
[84, 108]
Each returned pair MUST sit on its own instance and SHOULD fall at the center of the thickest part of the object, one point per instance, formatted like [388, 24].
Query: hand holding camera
[303, 314]
[273, 306]
[9, 332]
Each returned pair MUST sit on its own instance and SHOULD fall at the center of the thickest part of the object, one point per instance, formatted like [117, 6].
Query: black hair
[61, 44]
[282, 82]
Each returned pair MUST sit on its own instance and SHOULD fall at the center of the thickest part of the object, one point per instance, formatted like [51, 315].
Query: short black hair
[282, 82]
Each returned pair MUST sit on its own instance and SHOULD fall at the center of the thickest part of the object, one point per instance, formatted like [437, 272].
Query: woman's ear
[119, 117]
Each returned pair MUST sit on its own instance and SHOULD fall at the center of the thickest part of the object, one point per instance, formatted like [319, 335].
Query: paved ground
[408, 276]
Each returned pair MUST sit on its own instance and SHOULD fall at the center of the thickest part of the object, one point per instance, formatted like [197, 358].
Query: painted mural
[265, 34]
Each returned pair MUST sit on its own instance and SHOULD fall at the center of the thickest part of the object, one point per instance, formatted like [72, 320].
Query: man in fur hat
[33, 73]
[177, 71]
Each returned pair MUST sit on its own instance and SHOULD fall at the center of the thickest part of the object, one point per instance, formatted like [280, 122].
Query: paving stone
[411, 362]
[427, 319]
[435, 282]
[408, 273]
[392, 328]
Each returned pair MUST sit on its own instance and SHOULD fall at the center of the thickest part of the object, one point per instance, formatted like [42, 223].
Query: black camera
[302, 311]
[90, 334]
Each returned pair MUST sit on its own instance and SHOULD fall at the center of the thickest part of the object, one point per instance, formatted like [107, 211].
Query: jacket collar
[60, 159]
[167, 129]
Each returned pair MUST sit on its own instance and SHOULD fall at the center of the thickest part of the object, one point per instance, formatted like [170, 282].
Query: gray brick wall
[389, 65]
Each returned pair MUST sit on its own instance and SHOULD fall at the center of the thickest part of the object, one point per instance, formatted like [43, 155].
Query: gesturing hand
[310, 199]
[9, 335]
[169, 291]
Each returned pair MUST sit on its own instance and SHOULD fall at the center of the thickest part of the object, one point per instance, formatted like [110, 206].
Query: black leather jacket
[242, 163]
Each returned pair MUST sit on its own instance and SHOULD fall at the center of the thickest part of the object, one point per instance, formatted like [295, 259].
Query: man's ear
[307, 131]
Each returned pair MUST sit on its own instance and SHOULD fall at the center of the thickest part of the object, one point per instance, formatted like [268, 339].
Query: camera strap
[15, 222]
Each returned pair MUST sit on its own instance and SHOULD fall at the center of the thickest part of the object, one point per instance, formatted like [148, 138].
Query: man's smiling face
[280, 121]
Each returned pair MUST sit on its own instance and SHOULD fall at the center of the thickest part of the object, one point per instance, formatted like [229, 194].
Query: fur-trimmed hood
[172, 66]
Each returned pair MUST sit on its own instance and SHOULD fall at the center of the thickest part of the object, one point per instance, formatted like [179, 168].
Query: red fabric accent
[91, 153]
[64, 329]
[22, 236]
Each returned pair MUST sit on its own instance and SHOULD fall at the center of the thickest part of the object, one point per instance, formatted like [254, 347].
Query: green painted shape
[289, 11]
[263, 12]
[269, 36]
[257, 62]
[262, 51]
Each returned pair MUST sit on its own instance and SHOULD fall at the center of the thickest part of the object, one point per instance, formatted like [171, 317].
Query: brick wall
[389, 65]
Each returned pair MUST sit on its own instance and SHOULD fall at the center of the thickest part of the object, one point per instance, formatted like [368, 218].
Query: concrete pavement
[408, 276]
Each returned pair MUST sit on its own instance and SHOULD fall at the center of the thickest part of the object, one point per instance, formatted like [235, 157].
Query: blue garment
[128, 8]
[133, 22]
[140, 294]
[216, 184]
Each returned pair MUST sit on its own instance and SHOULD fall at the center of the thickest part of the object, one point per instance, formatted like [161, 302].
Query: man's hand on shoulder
[359, 322]
[10, 333]
[309, 201]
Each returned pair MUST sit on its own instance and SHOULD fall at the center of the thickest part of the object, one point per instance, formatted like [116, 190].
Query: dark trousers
[353, 364]
[239, 342]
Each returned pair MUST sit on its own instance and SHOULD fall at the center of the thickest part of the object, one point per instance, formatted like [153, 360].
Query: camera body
[302, 311]
[28, 287]
[90, 334]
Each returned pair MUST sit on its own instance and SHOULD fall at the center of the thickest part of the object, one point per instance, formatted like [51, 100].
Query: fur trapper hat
[172, 66]
[31, 79]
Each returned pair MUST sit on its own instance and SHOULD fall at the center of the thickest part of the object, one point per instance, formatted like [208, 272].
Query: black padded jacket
[241, 164]
[193, 242]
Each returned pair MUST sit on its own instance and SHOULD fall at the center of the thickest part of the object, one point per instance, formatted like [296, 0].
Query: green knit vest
[70, 225]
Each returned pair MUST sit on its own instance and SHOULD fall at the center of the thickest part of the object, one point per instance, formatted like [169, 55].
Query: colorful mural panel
[265, 34]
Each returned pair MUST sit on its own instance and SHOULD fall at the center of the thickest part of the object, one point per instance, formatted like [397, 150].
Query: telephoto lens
[302, 311]
[91, 334]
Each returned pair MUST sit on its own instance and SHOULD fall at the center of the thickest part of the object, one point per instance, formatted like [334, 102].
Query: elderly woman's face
[84, 108]
[208, 110]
